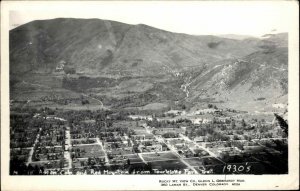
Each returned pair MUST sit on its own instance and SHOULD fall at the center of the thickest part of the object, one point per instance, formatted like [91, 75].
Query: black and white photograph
[151, 88]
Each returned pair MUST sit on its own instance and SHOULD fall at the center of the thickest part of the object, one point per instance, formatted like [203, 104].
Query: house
[118, 159]
[124, 139]
[60, 66]
[156, 147]
[170, 132]
[200, 152]
[113, 153]
[138, 137]
[57, 149]
[224, 119]
[206, 111]
[208, 145]
[253, 149]
[206, 121]
[149, 136]
[200, 139]
[197, 121]
[179, 146]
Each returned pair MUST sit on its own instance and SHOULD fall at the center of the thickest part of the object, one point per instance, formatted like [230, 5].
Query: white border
[146, 182]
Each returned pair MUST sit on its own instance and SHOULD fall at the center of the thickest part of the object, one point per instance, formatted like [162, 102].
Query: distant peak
[145, 26]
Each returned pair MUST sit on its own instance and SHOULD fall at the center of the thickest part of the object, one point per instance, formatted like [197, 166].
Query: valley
[102, 96]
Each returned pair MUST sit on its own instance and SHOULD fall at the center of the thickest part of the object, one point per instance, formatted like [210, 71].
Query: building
[60, 66]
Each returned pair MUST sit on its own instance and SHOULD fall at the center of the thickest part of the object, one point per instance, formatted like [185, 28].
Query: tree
[61, 163]
[128, 162]
[83, 102]
[282, 123]
[239, 146]
[36, 170]
[18, 167]
[248, 138]
[81, 163]
[235, 137]
[223, 128]
[243, 123]
[214, 121]
[259, 124]
[149, 167]
[232, 125]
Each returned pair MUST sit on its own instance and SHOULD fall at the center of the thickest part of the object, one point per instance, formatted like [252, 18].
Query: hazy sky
[192, 17]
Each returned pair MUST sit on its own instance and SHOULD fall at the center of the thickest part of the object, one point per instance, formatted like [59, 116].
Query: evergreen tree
[282, 123]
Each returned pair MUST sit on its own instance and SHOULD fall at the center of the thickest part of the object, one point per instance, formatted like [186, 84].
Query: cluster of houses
[150, 146]
[168, 132]
[50, 142]
[51, 138]
[48, 153]
[60, 66]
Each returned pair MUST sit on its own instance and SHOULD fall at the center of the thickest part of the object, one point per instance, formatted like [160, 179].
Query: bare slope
[259, 75]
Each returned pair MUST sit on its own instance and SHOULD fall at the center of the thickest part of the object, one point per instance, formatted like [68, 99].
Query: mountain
[261, 75]
[99, 45]
[113, 59]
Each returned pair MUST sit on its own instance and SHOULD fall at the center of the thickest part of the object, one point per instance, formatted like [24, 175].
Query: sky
[193, 17]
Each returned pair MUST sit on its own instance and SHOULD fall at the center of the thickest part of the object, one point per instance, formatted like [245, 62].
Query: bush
[213, 44]
[210, 106]
[83, 102]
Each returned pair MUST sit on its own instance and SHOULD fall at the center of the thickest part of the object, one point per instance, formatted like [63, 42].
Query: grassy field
[81, 141]
[134, 158]
[141, 132]
[134, 85]
[126, 151]
[168, 165]
[159, 156]
[127, 124]
[194, 161]
[89, 151]
[154, 106]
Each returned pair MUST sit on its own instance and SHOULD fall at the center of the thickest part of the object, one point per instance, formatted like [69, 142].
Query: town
[49, 141]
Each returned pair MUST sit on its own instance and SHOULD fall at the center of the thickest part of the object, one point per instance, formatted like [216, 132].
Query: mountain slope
[92, 45]
[259, 75]
[113, 59]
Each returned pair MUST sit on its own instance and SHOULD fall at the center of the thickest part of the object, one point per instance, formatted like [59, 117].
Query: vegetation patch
[159, 156]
